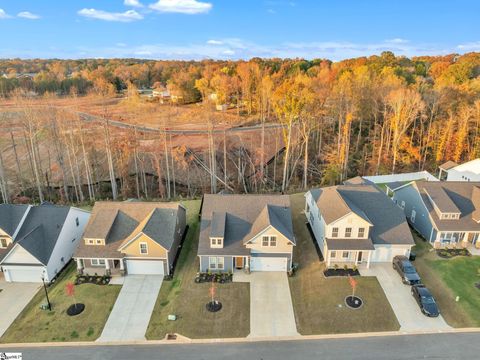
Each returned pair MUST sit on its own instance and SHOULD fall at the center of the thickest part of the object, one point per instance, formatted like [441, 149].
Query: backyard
[319, 302]
[186, 299]
[449, 278]
[36, 325]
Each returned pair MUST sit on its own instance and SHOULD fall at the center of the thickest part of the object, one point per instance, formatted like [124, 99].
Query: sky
[236, 29]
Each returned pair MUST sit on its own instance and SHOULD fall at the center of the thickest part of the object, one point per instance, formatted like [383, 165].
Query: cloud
[471, 46]
[397, 41]
[214, 42]
[4, 15]
[28, 15]
[133, 3]
[181, 6]
[127, 16]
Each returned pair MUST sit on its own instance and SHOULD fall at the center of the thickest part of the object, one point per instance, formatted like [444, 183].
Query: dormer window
[216, 242]
[95, 241]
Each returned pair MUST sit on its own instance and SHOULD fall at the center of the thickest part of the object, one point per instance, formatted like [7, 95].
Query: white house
[451, 171]
[357, 224]
[38, 241]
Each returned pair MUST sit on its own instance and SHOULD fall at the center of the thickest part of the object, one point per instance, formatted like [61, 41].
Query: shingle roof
[441, 200]
[219, 219]
[349, 244]
[243, 213]
[389, 224]
[448, 165]
[465, 197]
[357, 180]
[10, 217]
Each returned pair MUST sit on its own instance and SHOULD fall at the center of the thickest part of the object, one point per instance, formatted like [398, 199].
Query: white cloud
[471, 46]
[397, 41]
[181, 6]
[127, 16]
[4, 15]
[28, 15]
[133, 3]
[214, 42]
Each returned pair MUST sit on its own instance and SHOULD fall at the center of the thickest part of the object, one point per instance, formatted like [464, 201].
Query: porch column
[328, 258]
[79, 264]
[368, 259]
[107, 264]
[122, 266]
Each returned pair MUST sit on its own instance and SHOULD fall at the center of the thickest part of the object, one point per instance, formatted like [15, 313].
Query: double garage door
[23, 274]
[387, 253]
[145, 267]
[268, 264]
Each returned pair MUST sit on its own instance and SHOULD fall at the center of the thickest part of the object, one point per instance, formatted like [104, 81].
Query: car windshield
[409, 270]
[428, 300]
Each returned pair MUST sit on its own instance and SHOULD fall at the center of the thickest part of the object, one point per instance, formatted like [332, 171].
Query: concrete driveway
[271, 309]
[13, 299]
[132, 311]
[403, 304]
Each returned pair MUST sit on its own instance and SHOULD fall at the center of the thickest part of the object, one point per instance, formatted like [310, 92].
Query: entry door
[360, 256]
[239, 262]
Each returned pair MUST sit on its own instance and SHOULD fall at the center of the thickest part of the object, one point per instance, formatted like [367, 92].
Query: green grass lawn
[319, 302]
[447, 279]
[186, 299]
[35, 325]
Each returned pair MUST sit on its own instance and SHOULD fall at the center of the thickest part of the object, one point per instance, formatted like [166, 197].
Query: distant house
[162, 94]
[38, 241]
[451, 171]
[357, 224]
[131, 238]
[443, 212]
[252, 232]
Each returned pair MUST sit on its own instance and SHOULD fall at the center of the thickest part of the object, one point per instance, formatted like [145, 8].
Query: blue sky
[231, 29]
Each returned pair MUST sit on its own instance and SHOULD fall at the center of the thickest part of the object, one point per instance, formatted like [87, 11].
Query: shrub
[90, 331]
[335, 266]
[74, 334]
[345, 267]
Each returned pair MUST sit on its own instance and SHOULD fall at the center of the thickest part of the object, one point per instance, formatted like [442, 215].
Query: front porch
[469, 240]
[109, 267]
[340, 258]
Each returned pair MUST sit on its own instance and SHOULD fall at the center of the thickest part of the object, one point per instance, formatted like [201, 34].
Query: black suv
[425, 300]
[406, 270]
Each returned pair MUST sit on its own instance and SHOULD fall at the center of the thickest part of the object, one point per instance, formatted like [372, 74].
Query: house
[451, 171]
[253, 232]
[443, 212]
[357, 224]
[131, 238]
[38, 241]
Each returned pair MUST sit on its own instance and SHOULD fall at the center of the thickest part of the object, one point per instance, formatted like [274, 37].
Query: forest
[75, 131]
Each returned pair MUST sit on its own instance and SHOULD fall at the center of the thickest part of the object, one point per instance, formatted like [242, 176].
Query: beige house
[131, 238]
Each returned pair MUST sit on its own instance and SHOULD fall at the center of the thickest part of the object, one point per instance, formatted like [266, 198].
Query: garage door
[387, 253]
[23, 274]
[268, 264]
[145, 267]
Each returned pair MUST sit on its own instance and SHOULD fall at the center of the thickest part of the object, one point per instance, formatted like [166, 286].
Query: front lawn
[36, 325]
[447, 279]
[319, 302]
[186, 299]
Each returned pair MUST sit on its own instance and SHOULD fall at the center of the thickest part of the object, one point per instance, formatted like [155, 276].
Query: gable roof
[448, 165]
[246, 216]
[11, 216]
[388, 220]
[439, 198]
[462, 194]
[157, 220]
[219, 220]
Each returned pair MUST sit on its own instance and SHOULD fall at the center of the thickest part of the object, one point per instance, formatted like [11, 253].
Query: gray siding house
[443, 213]
[253, 232]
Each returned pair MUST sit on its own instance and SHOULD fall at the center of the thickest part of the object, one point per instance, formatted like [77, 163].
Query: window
[143, 248]
[77, 221]
[269, 241]
[90, 242]
[97, 262]
[99, 242]
[334, 232]
[361, 232]
[216, 242]
[346, 254]
[348, 232]
[220, 264]
[333, 254]
[216, 263]
[3, 243]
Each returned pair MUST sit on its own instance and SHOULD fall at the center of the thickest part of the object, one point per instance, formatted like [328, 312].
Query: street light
[46, 293]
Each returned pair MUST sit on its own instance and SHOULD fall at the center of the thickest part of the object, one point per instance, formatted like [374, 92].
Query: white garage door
[24, 274]
[145, 267]
[387, 253]
[268, 264]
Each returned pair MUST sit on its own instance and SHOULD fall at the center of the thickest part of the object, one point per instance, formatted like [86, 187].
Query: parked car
[425, 300]
[406, 270]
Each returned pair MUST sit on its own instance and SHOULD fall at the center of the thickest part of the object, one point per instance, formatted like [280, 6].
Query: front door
[360, 255]
[239, 262]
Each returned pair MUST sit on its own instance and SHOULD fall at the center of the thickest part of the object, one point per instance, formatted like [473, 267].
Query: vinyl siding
[154, 249]
[283, 244]
[204, 262]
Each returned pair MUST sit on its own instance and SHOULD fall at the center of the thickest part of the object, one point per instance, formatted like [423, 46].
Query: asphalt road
[436, 346]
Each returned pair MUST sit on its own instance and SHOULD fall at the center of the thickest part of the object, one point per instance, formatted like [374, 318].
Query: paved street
[14, 297]
[132, 311]
[437, 346]
[403, 304]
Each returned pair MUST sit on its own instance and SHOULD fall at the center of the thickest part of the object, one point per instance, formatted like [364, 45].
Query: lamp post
[46, 294]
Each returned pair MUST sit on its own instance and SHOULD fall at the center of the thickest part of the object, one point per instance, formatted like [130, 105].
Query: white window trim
[349, 233]
[270, 239]
[146, 248]
[214, 263]
[346, 257]
[216, 242]
[335, 233]
[333, 254]
[362, 230]
[97, 262]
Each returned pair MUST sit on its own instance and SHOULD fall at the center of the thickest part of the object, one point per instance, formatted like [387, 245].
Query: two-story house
[131, 238]
[246, 231]
[37, 242]
[357, 224]
[451, 171]
[443, 212]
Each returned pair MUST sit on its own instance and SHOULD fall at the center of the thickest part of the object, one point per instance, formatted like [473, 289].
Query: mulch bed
[75, 309]
[221, 278]
[97, 280]
[214, 306]
[353, 302]
[341, 272]
[449, 253]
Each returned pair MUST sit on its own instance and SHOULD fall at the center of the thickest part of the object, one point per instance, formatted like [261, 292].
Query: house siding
[227, 260]
[413, 201]
[154, 250]
[315, 220]
[283, 244]
[179, 233]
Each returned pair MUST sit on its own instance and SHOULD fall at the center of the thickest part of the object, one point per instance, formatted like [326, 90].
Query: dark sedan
[425, 300]
[406, 270]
